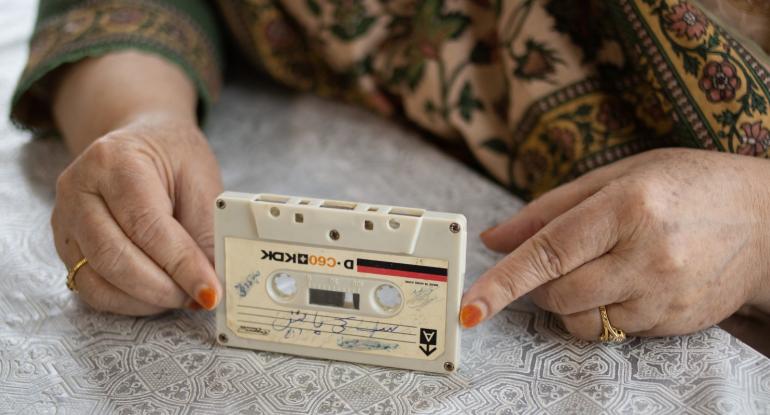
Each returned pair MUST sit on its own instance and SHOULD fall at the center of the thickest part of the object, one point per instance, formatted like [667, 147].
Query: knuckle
[101, 151]
[636, 192]
[670, 261]
[555, 301]
[144, 227]
[111, 150]
[644, 199]
[108, 257]
[509, 288]
[205, 241]
[128, 174]
[667, 259]
[181, 255]
[546, 259]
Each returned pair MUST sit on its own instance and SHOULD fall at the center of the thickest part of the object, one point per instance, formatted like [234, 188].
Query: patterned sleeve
[183, 31]
[713, 83]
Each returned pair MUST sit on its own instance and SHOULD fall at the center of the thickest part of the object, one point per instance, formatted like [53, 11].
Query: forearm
[96, 96]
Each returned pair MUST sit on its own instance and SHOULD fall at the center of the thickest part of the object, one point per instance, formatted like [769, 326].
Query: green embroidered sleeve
[183, 31]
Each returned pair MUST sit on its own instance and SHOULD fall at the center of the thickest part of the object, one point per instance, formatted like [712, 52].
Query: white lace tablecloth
[58, 356]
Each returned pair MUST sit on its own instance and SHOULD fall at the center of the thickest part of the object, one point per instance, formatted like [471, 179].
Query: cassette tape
[338, 280]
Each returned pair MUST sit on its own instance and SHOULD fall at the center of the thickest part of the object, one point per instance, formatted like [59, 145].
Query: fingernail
[488, 231]
[207, 297]
[194, 306]
[471, 315]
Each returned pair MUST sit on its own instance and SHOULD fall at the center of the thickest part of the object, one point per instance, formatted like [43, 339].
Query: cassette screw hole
[454, 227]
[393, 224]
[275, 212]
[222, 338]
[334, 234]
[449, 366]
[221, 203]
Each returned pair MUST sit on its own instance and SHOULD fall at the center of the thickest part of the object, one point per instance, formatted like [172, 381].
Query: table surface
[58, 356]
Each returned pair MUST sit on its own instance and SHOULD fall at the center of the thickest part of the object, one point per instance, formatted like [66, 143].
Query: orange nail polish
[194, 306]
[470, 315]
[207, 297]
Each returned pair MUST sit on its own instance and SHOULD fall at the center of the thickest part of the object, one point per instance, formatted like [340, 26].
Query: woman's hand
[671, 241]
[137, 200]
[137, 203]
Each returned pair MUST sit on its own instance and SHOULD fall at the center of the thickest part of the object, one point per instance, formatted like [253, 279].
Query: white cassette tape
[339, 280]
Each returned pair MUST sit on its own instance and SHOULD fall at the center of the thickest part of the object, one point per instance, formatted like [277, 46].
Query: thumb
[578, 236]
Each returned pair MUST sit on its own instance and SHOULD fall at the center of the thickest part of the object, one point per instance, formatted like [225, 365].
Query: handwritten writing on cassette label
[336, 299]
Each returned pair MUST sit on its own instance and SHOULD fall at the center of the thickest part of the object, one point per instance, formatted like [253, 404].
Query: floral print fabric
[541, 91]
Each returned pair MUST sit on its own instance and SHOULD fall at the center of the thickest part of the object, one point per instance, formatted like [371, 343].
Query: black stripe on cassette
[339, 280]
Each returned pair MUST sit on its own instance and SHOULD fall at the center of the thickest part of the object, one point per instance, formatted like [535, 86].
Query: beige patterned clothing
[540, 90]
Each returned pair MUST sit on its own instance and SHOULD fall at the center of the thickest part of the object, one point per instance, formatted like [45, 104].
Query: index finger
[578, 236]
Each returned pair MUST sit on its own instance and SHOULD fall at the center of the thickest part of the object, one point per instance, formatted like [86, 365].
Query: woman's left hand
[670, 240]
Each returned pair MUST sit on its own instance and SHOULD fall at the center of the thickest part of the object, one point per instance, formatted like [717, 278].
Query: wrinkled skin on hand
[137, 203]
[671, 241]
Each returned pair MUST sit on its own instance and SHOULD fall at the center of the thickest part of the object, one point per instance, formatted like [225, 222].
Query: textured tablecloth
[57, 356]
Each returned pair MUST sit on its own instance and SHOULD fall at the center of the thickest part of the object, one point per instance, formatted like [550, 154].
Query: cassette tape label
[336, 299]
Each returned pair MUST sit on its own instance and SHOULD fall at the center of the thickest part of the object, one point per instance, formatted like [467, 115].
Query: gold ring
[610, 334]
[71, 275]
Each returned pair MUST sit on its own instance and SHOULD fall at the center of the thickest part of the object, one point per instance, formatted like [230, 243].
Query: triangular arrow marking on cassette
[427, 350]
[429, 336]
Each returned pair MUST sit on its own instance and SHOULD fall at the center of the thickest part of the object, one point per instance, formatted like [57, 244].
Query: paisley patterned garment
[541, 91]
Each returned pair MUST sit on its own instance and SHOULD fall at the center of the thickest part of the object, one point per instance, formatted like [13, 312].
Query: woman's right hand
[137, 203]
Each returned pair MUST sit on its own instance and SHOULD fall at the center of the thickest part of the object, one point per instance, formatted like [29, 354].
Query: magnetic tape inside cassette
[340, 280]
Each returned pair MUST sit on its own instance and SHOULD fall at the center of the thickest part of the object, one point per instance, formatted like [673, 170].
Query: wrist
[167, 135]
[155, 116]
[99, 95]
